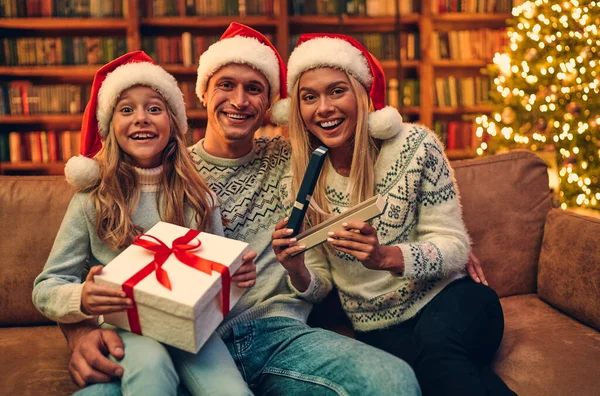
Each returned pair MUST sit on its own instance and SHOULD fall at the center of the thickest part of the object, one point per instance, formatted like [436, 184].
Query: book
[313, 170]
[365, 211]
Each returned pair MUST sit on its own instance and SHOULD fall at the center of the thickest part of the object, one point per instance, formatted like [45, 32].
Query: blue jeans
[283, 356]
[451, 342]
[199, 372]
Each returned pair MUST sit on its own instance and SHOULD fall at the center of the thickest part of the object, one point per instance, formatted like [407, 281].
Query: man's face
[236, 99]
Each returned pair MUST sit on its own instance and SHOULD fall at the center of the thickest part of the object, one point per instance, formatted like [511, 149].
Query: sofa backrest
[31, 210]
[505, 200]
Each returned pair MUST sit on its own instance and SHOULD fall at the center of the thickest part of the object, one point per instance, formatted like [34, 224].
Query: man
[275, 351]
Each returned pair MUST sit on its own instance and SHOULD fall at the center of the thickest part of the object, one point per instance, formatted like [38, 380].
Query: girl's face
[141, 125]
[328, 106]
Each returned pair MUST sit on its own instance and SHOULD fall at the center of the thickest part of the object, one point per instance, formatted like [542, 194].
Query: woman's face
[328, 106]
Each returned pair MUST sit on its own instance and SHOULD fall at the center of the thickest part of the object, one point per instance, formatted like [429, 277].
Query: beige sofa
[543, 263]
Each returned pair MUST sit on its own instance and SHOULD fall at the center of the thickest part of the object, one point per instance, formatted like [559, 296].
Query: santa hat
[134, 68]
[345, 53]
[244, 45]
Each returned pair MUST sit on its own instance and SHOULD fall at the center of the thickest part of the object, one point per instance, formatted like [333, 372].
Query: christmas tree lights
[546, 93]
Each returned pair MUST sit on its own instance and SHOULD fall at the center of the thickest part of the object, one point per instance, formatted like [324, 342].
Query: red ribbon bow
[182, 250]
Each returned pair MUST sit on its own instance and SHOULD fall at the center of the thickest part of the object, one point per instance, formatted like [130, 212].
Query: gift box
[179, 280]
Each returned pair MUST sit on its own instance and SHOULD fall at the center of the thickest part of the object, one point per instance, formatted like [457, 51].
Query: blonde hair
[116, 194]
[362, 170]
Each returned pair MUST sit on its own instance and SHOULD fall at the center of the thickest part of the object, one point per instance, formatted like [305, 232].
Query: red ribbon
[182, 250]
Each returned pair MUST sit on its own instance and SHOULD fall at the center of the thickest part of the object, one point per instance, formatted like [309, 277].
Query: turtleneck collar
[149, 178]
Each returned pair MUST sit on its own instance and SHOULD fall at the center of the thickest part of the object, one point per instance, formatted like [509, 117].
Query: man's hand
[474, 269]
[89, 362]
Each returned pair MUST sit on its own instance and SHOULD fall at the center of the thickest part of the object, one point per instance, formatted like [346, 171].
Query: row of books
[410, 92]
[205, 8]
[62, 8]
[466, 91]
[24, 98]
[39, 146]
[43, 51]
[354, 7]
[184, 49]
[456, 135]
[468, 44]
[484, 6]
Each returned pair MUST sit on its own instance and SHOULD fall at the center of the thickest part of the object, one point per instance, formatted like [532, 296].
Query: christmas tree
[545, 93]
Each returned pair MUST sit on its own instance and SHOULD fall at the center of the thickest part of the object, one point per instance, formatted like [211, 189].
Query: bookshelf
[141, 19]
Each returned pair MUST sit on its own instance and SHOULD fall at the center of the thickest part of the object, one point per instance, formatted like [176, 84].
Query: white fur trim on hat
[81, 171]
[328, 51]
[243, 50]
[385, 123]
[138, 73]
[280, 111]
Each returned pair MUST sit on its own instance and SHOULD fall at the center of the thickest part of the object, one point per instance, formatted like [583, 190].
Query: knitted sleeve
[57, 290]
[442, 243]
[314, 259]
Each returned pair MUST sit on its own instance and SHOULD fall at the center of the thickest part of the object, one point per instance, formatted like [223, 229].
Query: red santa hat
[134, 68]
[345, 53]
[244, 45]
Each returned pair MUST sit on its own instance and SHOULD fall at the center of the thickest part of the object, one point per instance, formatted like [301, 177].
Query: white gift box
[187, 315]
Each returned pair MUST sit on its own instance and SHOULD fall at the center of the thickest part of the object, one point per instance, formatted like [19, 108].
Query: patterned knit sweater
[247, 188]
[423, 218]
[57, 290]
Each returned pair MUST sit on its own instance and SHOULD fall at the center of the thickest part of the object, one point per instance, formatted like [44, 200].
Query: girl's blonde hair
[116, 194]
[362, 170]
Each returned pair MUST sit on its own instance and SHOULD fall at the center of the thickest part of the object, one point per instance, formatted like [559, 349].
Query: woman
[401, 280]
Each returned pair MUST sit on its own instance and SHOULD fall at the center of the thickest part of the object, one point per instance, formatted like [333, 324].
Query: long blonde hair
[116, 194]
[362, 170]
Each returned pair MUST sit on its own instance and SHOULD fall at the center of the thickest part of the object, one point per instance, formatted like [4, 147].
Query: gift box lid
[191, 289]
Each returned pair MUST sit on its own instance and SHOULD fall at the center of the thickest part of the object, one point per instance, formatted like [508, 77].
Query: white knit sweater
[423, 218]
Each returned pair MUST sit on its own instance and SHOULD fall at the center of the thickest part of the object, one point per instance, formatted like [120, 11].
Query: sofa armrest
[569, 274]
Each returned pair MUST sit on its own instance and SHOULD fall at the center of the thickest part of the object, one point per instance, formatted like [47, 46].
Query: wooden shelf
[410, 110]
[462, 110]
[405, 64]
[469, 17]
[450, 63]
[193, 22]
[366, 22]
[53, 168]
[196, 114]
[70, 71]
[45, 119]
[181, 69]
[63, 24]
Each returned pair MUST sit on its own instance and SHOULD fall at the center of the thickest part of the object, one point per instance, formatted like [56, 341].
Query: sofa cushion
[569, 274]
[545, 352]
[505, 200]
[31, 210]
[34, 361]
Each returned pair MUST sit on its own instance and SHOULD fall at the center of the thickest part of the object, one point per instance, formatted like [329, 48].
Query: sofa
[542, 262]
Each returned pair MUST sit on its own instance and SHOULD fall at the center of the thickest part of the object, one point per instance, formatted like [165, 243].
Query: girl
[401, 280]
[142, 173]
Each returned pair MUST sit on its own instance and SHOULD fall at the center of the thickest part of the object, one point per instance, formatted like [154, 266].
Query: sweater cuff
[409, 262]
[313, 286]
[75, 304]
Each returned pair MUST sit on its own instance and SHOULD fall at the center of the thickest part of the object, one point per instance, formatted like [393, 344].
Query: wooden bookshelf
[280, 24]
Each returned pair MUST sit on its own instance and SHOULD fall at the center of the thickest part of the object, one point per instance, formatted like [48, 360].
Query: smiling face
[328, 107]
[141, 125]
[236, 99]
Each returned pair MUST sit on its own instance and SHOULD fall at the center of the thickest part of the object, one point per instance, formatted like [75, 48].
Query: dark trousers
[451, 342]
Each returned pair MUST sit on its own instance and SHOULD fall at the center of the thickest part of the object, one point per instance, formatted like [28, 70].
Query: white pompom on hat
[240, 44]
[131, 69]
[342, 52]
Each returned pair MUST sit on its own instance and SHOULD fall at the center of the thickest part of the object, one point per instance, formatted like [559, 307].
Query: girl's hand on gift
[99, 300]
[284, 247]
[359, 239]
[245, 276]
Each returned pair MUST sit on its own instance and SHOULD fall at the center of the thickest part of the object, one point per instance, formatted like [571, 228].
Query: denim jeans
[201, 373]
[282, 356]
[451, 342]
